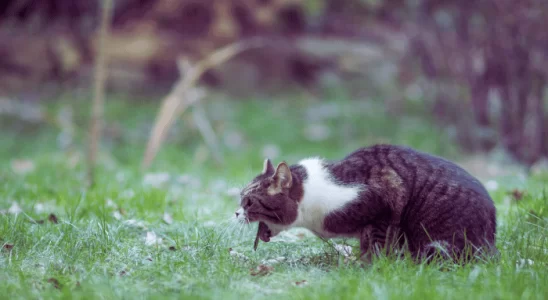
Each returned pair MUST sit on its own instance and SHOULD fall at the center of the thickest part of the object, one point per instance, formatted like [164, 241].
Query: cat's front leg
[377, 238]
[369, 243]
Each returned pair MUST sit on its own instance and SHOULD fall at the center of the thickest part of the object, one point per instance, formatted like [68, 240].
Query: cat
[387, 196]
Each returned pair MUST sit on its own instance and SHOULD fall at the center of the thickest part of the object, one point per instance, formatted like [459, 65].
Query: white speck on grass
[156, 180]
[39, 208]
[522, 262]
[273, 261]
[121, 177]
[168, 219]
[344, 250]
[189, 180]
[111, 203]
[491, 185]
[15, 209]
[135, 223]
[474, 274]
[127, 194]
[117, 215]
[292, 236]
[152, 239]
[238, 255]
[210, 224]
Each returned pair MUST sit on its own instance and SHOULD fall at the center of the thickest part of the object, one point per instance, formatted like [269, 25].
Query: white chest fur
[322, 195]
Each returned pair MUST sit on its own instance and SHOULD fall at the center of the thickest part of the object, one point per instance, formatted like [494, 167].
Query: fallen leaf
[15, 209]
[22, 166]
[172, 248]
[151, 239]
[53, 219]
[261, 270]
[167, 218]
[517, 195]
[55, 283]
[301, 283]
[8, 247]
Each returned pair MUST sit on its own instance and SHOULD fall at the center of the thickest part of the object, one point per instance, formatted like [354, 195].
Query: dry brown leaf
[53, 219]
[55, 283]
[261, 270]
[8, 247]
[301, 283]
[517, 195]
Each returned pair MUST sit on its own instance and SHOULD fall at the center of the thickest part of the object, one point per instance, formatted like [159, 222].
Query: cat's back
[415, 168]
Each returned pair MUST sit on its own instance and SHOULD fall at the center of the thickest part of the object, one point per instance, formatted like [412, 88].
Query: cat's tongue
[263, 233]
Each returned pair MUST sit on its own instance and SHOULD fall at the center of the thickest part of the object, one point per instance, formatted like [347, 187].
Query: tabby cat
[387, 196]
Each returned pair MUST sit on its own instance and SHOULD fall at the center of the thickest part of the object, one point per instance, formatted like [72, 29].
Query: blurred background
[325, 77]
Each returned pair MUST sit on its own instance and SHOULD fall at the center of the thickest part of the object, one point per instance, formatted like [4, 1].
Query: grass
[98, 247]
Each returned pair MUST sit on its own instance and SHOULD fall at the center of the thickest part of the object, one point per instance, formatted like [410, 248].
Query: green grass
[92, 254]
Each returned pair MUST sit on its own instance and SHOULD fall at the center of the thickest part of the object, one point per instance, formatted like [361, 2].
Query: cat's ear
[267, 167]
[282, 179]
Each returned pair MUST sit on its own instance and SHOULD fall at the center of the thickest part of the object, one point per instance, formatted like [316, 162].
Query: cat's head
[271, 197]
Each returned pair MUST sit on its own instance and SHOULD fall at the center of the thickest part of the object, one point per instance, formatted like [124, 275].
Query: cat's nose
[237, 214]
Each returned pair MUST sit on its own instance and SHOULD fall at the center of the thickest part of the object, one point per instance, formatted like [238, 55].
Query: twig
[181, 97]
[207, 132]
[100, 77]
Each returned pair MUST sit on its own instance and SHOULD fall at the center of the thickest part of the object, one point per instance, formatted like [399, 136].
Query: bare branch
[99, 90]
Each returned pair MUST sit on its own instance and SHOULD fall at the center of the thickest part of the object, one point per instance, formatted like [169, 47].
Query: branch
[100, 77]
[184, 94]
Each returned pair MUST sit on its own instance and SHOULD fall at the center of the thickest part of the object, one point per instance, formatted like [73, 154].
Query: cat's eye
[247, 203]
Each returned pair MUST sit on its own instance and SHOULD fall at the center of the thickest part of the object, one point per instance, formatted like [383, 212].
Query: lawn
[167, 232]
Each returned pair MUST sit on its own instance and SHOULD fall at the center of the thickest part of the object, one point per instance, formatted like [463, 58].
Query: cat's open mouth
[263, 233]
